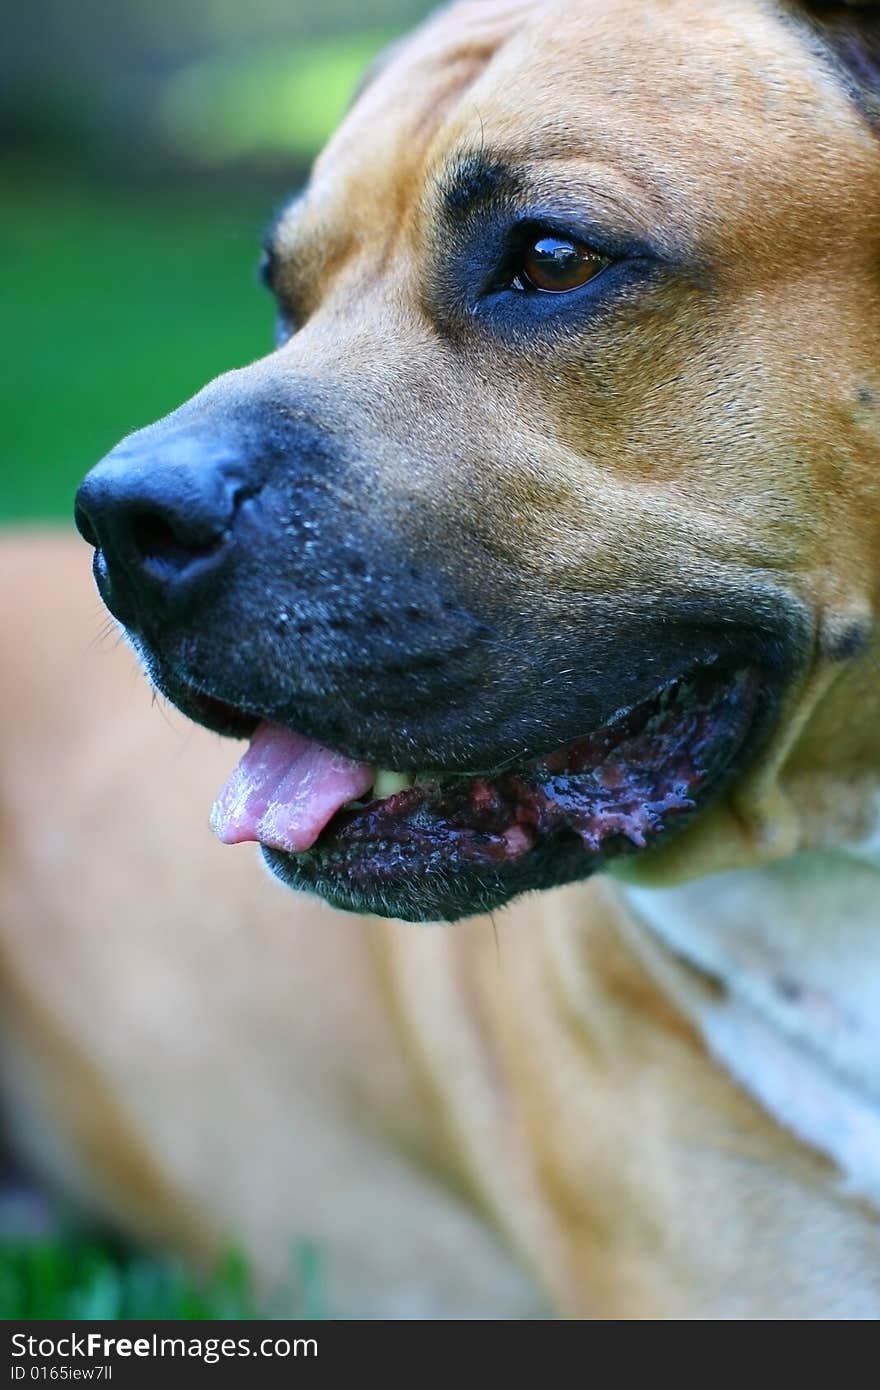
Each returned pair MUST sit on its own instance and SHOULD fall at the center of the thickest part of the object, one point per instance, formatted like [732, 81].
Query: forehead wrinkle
[394, 116]
[377, 163]
[739, 115]
[381, 145]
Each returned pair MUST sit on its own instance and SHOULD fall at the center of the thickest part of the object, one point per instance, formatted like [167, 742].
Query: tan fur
[203, 1056]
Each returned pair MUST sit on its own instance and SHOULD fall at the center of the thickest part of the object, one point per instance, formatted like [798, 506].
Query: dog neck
[779, 967]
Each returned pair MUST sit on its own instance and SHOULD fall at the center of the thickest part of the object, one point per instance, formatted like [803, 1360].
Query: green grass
[117, 305]
[73, 1277]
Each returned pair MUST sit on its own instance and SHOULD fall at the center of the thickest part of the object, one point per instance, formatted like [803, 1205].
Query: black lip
[420, 855]
[232, 719]
[527, 686]
[413, 856]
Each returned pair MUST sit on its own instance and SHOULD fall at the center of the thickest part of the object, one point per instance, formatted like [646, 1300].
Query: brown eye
[556, 264]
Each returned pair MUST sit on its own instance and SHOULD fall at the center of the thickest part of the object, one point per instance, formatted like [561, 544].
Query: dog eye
[556, 265]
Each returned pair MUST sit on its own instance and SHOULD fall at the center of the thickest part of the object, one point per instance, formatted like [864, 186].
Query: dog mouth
[434, 845]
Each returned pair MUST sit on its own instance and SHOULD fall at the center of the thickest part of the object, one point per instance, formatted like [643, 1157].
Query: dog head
[557, 498]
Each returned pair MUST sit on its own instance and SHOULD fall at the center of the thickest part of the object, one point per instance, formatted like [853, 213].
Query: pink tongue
[285, 790]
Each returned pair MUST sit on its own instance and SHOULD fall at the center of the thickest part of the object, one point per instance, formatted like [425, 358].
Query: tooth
[388, 783]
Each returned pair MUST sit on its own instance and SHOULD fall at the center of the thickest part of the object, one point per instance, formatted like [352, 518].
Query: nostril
[243, 493]
[156, 539]
[160, 523]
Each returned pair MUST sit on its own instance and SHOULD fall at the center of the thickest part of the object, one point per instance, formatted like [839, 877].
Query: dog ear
[849, 33]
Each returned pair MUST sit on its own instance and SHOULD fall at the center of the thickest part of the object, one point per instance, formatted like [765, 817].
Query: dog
[545, 542]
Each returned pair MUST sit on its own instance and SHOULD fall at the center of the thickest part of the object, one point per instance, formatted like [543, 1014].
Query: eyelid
[586, 248]
[599, 241]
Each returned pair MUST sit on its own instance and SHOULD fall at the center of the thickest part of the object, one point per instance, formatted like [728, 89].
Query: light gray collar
[796, 949]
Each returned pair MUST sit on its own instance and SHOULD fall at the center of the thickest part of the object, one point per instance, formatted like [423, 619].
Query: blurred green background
[143, 148]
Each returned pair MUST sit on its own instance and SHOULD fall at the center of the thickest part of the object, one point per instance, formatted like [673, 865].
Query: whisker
[497, 939]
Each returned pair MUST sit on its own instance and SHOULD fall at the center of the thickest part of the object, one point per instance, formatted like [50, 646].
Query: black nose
[161, 519]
